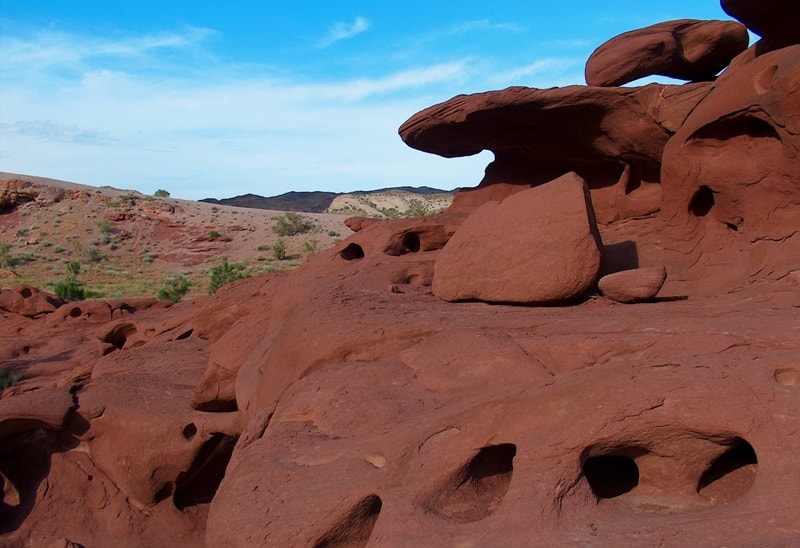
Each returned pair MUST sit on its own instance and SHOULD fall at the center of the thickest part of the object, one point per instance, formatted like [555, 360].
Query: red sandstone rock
[630, 286]
[537, 246]
[46, 408]
[369, 416]
[729, 172]
[777, 21]
[686, 49]
[28, 301]
[15, 192]
[612, 137]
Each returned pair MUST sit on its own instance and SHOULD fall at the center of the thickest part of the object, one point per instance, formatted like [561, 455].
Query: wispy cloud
[550, 71]
[343, 31]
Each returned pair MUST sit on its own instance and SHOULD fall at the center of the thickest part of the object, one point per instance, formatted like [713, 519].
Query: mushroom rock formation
[612, 137]
[776, 21]
[539, 246]
[730, 173]
[686, 49]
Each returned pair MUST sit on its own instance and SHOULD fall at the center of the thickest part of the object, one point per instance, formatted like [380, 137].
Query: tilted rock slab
[686, 49]
[537, 246]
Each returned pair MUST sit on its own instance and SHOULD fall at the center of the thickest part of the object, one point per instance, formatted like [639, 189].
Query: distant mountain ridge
[313, 201]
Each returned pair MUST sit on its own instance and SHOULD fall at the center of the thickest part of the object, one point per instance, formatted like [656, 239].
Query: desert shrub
[161, 193]
[5, 255]
[104, 226]
[279, 250]
[310, 246]
[291, 224]
[226, 273]
[213, 234]
[262, 247]
[333, 234]
[416, 209]
[70, 289]
[93, 254]
[174, 287]
[73, 268]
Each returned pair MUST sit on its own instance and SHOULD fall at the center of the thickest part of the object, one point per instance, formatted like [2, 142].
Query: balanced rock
[635, 285]
[538, 246]
[777, 21]
[686, 49]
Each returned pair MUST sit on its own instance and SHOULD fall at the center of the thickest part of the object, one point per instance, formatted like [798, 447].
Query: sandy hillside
[128, 242]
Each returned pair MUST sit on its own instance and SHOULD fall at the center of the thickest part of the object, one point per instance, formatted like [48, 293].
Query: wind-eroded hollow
[731, 475]
[352, 252]
[200, 483]
[353, 529]
[476, 489]
[611, 476]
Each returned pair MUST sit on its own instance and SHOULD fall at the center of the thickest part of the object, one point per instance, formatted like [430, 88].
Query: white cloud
[221, 131]
[343, 31]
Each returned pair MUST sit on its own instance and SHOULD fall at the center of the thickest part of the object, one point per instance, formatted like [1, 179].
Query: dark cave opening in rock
[610, 476]
[352, 252]
[702, 202]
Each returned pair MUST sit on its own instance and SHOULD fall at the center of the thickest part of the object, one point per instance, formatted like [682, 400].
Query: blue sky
[215, 99]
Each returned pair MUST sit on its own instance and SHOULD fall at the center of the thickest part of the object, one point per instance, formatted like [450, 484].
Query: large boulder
[777, 21]
[686, 49]
[29, 301]
[540, 246]
[612, 137]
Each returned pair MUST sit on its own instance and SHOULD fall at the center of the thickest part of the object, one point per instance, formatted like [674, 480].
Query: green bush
[291, 224]
[174, 287]
[161, 193]
[5, 255]
[70, 289]
[213, 234]
[279, 250]
[226, 273]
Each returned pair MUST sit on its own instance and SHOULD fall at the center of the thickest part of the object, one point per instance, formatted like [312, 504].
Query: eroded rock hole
[119, 335]
[411, 242]
[354, 529]
[742, 126]
[184, 335]
[200, 483]
[702, 202]
[476, 489]
[352, 252]
[189, 431]
[610, 476]
[26, 293]
[731, 475]
[75, 312]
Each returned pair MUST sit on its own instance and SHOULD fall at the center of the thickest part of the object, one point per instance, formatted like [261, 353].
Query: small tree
[226, 273]
[173, 288]
[279, 250]
[161, 193]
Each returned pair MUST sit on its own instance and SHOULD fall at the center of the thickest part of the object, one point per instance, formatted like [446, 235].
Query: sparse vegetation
[161, 193]
[213, 234]
[310, 246]
[291, 224]
[226, 273]
[5, 255]
[279, 250]
[70, 289]
[174, 287]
